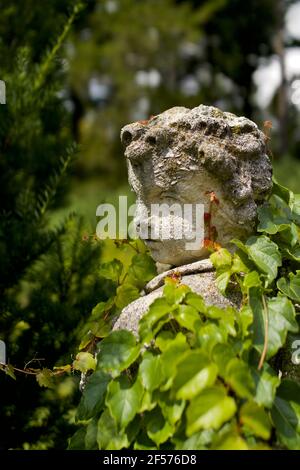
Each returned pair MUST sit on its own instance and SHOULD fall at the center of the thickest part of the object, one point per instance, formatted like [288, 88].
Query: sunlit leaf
[84, 361]
[111, 270]
[109, 437]
[93, 395]
[117, 352]
[256, 419]
[210, 409]
[123, 400]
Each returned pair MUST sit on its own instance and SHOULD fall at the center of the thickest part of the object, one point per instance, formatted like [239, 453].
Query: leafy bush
[202, 377]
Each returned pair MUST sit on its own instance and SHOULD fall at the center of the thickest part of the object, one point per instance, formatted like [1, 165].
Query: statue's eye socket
[151, 140]
[126, 138]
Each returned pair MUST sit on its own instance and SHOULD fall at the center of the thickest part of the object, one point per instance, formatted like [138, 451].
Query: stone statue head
[187, 155]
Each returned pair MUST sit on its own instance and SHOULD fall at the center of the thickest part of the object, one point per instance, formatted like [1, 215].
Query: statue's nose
[126, 136]
[130, 133]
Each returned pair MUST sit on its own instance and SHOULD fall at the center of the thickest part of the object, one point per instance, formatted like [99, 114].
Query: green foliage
[48, 280]
[161, 61]
[127, 274]
[198, 376]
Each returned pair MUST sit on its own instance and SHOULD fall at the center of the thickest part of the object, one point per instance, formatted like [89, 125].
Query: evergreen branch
[49, 192]
[48, 239]
[45, 66]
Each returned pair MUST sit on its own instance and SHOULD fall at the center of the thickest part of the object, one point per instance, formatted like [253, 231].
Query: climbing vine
[198, 376]
[202, 377]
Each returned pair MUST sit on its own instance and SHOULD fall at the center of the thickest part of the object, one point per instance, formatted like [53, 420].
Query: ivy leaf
[108, 435]
[143, 268]
[101, 309]
[281, 315]
[93, 396]
[99, 329]
[111, 270]
[144, 443]
[134, 428]
[123, 400]
[238, 376]
[193, 374]
[245, 319]
[284, 193]
[222, 281]
[290, 235]
[264, 253]
[296, 207]
[126, 293]
[77, 441]
[238, 266]
[117, 352]
[210, 334]
[158, 428]
[171, 355]
[150, 371]
[226, 317]
[90, 439]
[210, 409]
[266, 383]
[282, 318]
[234, 370]
[270, 222]
[230, 441]
[251, 279]
[187, 317]
[99, 323]
[148, 402]
[171, 409]
[45, 378]
[172, 345]
[255, 419]
[286, 414]
[158, 309]
[221, 259]
[84, 361]
[174, 293]
[196, 301]
[9, 370]
[290, 288]
[197, 441]
[222, 354]
[164, 339]
[292, 253]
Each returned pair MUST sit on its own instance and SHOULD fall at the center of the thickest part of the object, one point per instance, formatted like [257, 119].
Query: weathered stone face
[182, 155]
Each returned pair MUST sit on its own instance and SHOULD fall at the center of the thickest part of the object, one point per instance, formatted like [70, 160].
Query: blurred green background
[128, 60]
[78, 75]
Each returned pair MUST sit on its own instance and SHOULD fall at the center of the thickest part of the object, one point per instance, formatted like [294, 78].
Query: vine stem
[22, 371]
[29, 371]
[266, 339]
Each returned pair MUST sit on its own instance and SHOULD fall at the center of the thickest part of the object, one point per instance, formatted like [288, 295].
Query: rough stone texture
[180, 156]
[202, 266]
[203, 284]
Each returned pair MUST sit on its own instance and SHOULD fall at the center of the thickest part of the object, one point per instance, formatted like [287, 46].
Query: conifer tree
[47, 275]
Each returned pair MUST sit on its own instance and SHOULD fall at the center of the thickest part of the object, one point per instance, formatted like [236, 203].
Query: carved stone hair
[232, 149]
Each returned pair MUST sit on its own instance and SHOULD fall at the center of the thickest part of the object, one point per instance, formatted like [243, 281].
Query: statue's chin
[174, 252]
